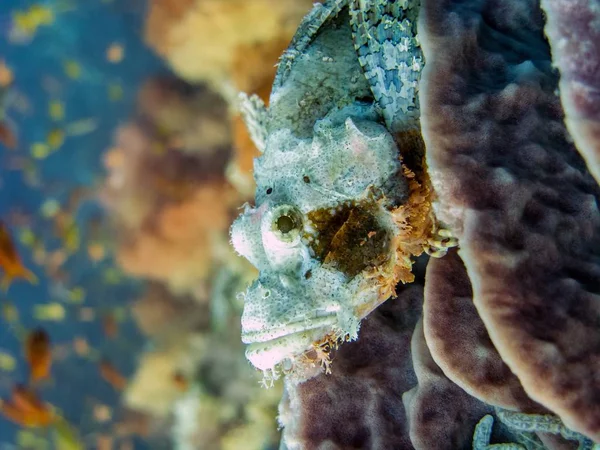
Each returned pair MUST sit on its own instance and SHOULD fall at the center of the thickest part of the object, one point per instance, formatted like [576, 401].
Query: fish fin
[29, 276]
[385, 39]
[20, 272]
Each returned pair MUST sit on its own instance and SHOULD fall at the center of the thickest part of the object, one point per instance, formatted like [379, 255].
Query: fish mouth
[294, 328]
[267, 355]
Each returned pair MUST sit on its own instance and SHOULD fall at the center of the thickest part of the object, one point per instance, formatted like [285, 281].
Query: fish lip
[268, 358]
[297, 327]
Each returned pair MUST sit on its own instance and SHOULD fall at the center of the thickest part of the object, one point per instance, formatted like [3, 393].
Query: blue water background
[81, 35]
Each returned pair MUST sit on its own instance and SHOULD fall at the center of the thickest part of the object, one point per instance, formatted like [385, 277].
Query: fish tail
[29, 276]
[20, 272]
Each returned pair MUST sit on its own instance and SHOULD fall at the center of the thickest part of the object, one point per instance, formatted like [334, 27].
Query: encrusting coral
[203, 40]
[166, 188]
[233, 45]
[517, 195]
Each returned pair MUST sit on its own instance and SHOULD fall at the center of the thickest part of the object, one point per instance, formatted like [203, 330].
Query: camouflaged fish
[338, 212]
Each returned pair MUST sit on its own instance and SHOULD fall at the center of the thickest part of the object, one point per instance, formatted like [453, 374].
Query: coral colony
[401, 129]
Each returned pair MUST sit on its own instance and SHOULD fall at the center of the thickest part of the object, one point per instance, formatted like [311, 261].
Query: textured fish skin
[385, 38]
[345, 89]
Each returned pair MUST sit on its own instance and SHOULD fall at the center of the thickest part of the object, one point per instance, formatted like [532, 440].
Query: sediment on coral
[517, 195]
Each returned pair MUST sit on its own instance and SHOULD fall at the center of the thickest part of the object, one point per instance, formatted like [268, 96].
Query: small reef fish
[65, 436]
[26, 23]
[7, 362]
[110, 325]
[115, 53]
[26, 409]
[56, 110]
[38, 354]
[54, 312]
[72, 69]
[6, 75]
[11, 262]
[81, 127]
[111, 375]
[8, 137]
[180, 381]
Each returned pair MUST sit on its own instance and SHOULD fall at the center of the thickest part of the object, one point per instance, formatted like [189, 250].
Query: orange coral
[177, 247]
[185, 32]
[165, 186]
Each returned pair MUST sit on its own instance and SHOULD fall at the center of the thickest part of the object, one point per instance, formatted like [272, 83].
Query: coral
[440, 414]
[518, 197]
[162, 315]
[177, 248]
[459, 342]
[184, 32]
[359, 405]
[251, 36]
[166, 189]
[573, 29]
[386, 391]
[151, 390]
[193, 119]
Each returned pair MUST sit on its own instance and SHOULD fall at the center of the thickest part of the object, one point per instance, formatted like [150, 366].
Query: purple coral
[360, 404]
[573, 29]
[517, 195]
[459, 342]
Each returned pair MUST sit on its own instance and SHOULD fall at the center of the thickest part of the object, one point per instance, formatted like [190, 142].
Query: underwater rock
[517, 195]
[459, 342]
[359, 405]
[573, 29]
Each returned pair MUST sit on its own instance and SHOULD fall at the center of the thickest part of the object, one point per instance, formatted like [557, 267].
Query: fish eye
[269, 190]
[285, 224]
